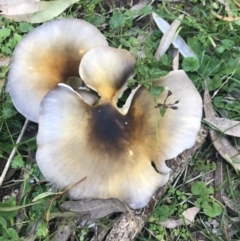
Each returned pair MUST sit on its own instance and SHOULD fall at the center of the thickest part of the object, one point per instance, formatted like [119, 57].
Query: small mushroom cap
[106, 70]
[46, 56]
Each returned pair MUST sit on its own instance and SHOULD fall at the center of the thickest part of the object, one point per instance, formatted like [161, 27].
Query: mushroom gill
[48, 55]
[116, 150]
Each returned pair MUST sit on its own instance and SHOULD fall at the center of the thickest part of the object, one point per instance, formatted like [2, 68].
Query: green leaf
[212, 209]
[133, 41]
[214, 83]
[45, 194]
[195, 45]
[8, 204]
[190, 64]
[25, 27]
[198, 202]
[210, 66]
[6, 50]
[155, 91]
[163, 111]
[227, 43]
[3, 222]
[8, 112]
[125, 42]
[17, 162]
[42, 230]
[4, 33]
[218, 101]
[96, 20]
[200, 189]
[162, 212]
[146, 10]
[229, 66]
[117, 20]
[13, 234]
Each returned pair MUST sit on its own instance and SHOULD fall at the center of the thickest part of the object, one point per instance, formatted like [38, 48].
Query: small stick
[13, 153]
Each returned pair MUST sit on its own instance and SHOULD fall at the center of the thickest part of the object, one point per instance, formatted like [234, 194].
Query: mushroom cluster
[82, 134]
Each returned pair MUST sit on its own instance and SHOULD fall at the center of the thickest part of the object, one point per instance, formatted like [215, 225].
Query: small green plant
[7, 232]
[210, 207]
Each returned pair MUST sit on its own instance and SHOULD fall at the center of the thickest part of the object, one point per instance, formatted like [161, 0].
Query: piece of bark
[65, 229]
[94, 208]
[126, 229]
[220, 176]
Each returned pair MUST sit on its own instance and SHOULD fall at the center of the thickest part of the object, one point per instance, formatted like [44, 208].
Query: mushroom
[116, 149]
[48, 55]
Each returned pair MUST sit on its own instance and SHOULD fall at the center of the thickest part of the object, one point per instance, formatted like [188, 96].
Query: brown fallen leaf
[188, 218]
[220, 175]
[95, 208]
[237, 3]
[220, 142]
[228, 127]
[35, 12]
[168, 37]
[4, 61]
[139, 5]
[234, 206]
[228, 19]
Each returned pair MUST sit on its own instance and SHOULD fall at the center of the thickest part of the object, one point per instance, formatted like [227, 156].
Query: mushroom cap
[46, 56]
[112, 151]
[117, 153]
[106, 70]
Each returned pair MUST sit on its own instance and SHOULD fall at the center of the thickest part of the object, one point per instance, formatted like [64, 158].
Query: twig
[12, 153]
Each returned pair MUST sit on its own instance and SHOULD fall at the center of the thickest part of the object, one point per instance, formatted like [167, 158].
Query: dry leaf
[95, 208]
[237, 3]
[188, 218]
[168, 37]
[219, 176]
[232, 205]
[190, 214]
[172, 223]
[35, 12]
[228, 19]
[2, 82]
[139, 5]
[4, 61]
[175, 63]
[11, 2]
[178, 43]
[229, 127]
[221, 143]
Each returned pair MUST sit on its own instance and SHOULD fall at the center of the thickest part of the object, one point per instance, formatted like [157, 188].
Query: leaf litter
[220, 142]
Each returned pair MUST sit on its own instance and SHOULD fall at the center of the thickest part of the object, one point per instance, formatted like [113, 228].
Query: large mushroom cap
[46, 56]
[117, 153]
[76, 140]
